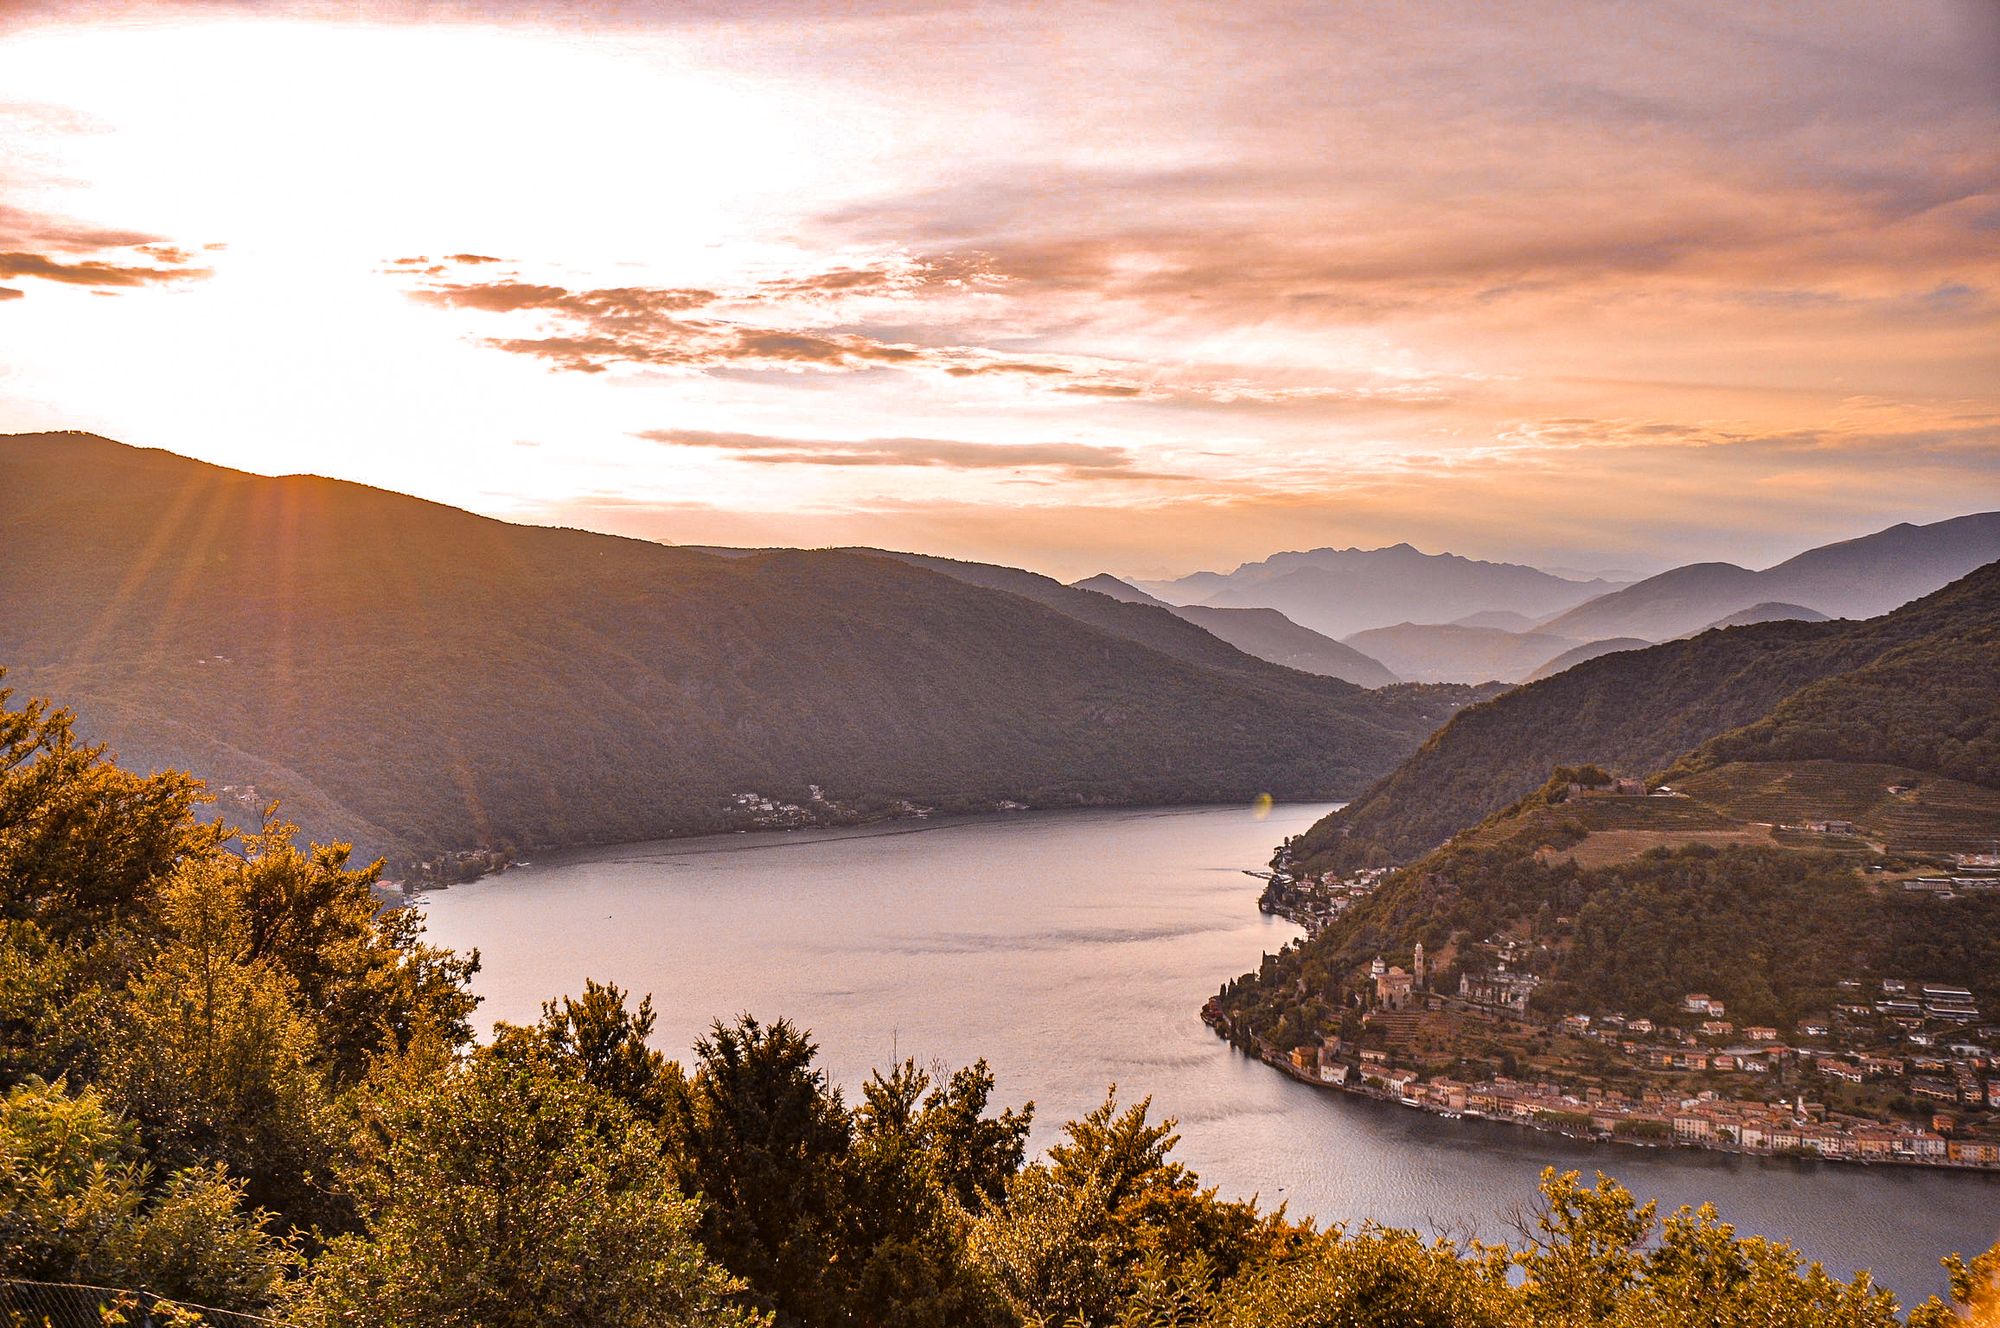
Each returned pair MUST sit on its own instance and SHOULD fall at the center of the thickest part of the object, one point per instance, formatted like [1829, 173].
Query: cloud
[9, 293]
[791, 322]
[1073, 460]
[92, 272]
[44, 247]
[23, 228]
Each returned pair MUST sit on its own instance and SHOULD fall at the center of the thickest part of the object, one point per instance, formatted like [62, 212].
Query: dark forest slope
[419, 678]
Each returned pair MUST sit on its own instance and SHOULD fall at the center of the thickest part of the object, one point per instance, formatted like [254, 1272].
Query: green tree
[506, 1196]
[1110, 1212]
[1583, 1249]
[1370, 1278]
[78, 1204]
[208, 1049]
[762, 1138]
[1975, 1294]
[916, 1151]
[1702, 1275]
[597, 1041]
[81, 840]
[361, 971]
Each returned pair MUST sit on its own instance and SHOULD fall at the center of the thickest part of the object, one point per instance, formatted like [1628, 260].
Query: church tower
[1422, 974]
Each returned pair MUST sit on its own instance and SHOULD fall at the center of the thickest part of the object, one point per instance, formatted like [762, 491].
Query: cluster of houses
[1891, 1034]
[1314, 901]
[760, 811]
[1940, 1067]
[1703, 1120]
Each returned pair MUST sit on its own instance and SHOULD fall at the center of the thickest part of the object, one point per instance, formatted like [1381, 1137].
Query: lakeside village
[1898, 1071]
[740, 813]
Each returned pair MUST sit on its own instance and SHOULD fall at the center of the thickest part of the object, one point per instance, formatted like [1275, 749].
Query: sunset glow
[1116, 287]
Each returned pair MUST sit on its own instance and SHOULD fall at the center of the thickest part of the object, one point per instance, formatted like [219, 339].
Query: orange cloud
[1082, 461]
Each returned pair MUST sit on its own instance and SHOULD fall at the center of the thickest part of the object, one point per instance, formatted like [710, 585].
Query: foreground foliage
[230, 1078]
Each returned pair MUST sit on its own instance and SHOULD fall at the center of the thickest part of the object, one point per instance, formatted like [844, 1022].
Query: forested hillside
[1931, 705]
[416, 678]
[1638, 711]
[1628, 903]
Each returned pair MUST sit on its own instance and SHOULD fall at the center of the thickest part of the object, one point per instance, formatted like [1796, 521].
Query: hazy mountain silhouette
[1445, 652]
[1265, 633]
[1339, 592]
[1588, 650]
[1769, 612]
[1855, 578]
[1505, 619]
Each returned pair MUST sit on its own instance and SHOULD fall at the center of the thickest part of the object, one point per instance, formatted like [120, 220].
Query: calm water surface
[1071, 950]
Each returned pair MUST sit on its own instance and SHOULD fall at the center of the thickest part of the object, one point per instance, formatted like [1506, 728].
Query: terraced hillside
[1906, 811]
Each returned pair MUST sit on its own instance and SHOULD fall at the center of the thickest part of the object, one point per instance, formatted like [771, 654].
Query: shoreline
[1283, 1065]
[891, 822]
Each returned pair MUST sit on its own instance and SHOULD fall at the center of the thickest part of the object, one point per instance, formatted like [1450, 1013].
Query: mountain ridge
[1861, 577]
[421, 679]
[1338, 592]
[1265, 633]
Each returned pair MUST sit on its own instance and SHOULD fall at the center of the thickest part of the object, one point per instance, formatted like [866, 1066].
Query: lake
[1072, 950]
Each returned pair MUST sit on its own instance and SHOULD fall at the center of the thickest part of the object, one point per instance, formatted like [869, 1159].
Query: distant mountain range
[1265, 633]
[1442, 618]
[1918, 687]
[1856, 578]
[1338, 592]
[1588, 650]
[1434, 652]
[419, 679]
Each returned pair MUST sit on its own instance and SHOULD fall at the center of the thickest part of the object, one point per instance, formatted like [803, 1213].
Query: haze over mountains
[420, 679]
[1265, 633]
[1341, 591]
[1409, 610]
[1855, 578]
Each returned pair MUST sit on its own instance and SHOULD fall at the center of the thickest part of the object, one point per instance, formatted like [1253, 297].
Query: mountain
[1442, 652]
[1505, 619]
[420, 679]
[1768, 612]
[1932, 705]
[1588, 650]
[1633, 712]
[1269, 634]
[1339, 592]
[1106, 584]
[1620, 575]
[1265, 633]
[1855, 578]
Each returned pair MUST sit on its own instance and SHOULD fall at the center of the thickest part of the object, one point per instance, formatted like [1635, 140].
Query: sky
[1141, 288]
